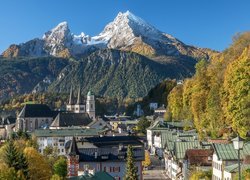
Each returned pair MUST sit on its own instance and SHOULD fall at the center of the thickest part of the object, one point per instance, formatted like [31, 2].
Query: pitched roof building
[69, 119]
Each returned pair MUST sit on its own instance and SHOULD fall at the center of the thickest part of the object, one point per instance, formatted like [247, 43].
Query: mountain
[127, 59]
[114, 73]
[127, 32]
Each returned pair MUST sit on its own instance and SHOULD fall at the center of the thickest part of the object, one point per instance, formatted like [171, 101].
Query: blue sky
[203, 23]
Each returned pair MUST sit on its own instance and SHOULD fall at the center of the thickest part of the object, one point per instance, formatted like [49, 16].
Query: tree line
[217, 97]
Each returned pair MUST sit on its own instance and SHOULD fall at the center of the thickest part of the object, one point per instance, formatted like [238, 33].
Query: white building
[79, 106]
[224, 157]
[57, 138]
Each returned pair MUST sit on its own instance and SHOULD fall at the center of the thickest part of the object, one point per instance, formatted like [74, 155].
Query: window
[116, 169]
[91, 106]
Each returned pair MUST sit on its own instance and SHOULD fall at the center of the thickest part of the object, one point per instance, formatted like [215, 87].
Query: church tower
[79, 106]
[90, 105]
[70, 106]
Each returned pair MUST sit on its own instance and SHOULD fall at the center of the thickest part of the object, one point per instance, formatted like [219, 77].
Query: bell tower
[79, 106]
[70, 106]
[90, 105]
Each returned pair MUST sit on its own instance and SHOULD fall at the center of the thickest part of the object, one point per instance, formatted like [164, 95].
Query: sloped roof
[8, 120]
[36, 110]
[234, 168]
[199, 156]
[73, 150]
[100, 175]
[181, 147]
[227, 151]
[108, 141]
[67, 119]
[66, 132]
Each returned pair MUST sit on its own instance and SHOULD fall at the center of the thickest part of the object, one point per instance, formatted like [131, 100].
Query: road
[156, 171]
[154, 174]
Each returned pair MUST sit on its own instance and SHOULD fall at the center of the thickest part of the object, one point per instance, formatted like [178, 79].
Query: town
[124, 90]
[97, 146]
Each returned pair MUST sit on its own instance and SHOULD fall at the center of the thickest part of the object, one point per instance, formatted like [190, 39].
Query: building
[153, 106]
[224, 157]
[159, 129]
[107, 154]
[138, 111]
[58, 138]
[92, 175]
[160, 111]
[35, 116]
[69, 119]
[79, 106]
[6, 126]
[197, 159]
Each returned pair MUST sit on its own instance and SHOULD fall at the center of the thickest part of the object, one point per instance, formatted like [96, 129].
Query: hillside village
[131, 102]
[95, 144]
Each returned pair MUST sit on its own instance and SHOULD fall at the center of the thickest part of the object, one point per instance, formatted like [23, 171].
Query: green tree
[15, 159]
[131, 169]
[60, 167]
[142, 125]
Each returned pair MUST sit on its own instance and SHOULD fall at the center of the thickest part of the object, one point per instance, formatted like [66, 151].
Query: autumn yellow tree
[147, 160]
[237, 93]
[38, 166]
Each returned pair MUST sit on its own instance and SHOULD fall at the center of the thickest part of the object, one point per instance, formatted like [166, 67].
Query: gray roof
[36, 110]
[67, 119]
[66, 132]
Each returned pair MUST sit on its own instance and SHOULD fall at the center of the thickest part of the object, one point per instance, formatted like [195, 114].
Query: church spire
[79, 96]
[70, 96]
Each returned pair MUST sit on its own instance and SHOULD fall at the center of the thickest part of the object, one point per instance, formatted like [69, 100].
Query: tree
[60, 167]
[131, 169]
[38, 167]
[197, 175]
[142, 125]
[237, 93]
[147, 160]
[15, 159]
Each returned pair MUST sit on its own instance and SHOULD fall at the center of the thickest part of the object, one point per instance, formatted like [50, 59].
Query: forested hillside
[217, 98]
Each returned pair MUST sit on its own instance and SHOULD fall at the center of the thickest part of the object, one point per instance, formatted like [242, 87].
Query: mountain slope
[116, 73]
[20, 76]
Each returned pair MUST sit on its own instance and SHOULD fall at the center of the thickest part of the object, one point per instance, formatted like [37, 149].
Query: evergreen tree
[15, 159]
[131, 169]
[11, 155]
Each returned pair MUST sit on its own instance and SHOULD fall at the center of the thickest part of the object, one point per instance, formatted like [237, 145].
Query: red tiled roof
[199, 156]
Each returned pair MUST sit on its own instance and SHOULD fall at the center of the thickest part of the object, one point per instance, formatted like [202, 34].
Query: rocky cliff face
[126, 32]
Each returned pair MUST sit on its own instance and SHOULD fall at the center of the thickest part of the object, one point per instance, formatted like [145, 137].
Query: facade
[79, 106]
[106, 154]
[59, 138]
[160, 111]
[34, 116]
[224, 157]
[6, 126]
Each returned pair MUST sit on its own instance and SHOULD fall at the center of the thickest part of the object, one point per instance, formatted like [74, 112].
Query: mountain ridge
[126, 32]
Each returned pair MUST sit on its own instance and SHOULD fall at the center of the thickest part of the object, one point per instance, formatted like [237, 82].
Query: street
[156, 170]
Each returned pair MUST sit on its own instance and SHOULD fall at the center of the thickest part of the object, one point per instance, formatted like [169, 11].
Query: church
[78, 114]
[80, 106]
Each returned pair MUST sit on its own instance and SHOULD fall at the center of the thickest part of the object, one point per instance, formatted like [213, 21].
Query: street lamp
[238, 145]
